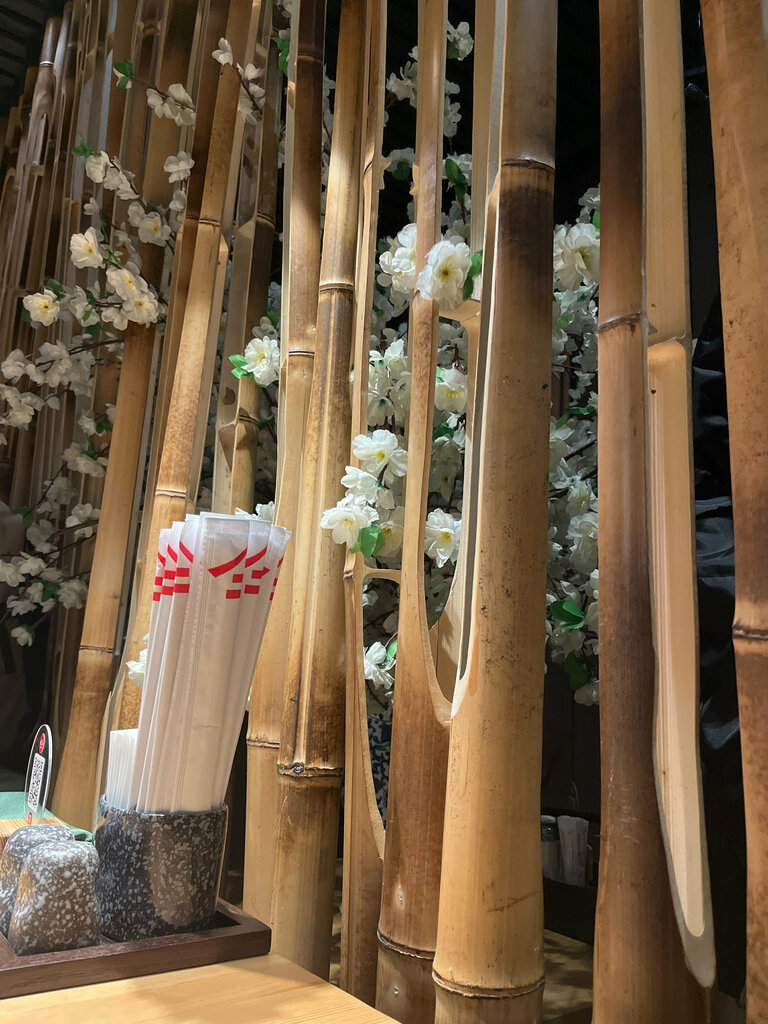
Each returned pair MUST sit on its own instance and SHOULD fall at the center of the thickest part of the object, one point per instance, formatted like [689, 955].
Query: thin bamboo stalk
[363, 827]
[301, 277]
[75, 795]
[737, 63]
[640, 972]
[419, 752]
[310, 761]
[670, 485]
[489, 963]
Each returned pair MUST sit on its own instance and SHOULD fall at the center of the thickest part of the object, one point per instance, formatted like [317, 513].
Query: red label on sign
[42, 743]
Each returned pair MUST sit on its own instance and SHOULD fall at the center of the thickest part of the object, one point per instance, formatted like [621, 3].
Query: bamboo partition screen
[421, 936]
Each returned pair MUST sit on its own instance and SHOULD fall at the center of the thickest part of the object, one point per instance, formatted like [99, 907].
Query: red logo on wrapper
[237, 582]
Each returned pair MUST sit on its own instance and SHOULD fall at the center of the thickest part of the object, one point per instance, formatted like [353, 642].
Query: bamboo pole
[640, 973]
[310, 761]
[667, 336]
[737, 64]
[419, 752]
[489, 963]
[363, 827]
[75, 796]
[301, 276]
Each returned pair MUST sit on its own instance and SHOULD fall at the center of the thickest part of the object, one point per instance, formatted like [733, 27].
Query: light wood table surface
[261, 990]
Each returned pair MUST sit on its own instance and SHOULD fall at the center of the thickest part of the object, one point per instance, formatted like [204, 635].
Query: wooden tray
[233, 936]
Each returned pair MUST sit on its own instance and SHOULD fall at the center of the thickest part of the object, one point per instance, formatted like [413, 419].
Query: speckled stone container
[158, 873]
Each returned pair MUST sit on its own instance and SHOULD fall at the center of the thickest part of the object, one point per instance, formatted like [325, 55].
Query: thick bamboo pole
[489, 963]
[310, 761]
[363, 827]
[418, 759]
[301, 276]
[640, 972]
[735, 36]
[667, 335]
[75, 796]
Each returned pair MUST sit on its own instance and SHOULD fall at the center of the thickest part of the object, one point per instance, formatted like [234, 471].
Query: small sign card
[39, 774]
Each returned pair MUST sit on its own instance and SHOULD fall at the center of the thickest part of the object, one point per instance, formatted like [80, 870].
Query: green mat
[14, 805]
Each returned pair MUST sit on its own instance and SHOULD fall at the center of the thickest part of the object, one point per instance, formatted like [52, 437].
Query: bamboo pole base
[453, 1006]
[261, 814]
[302, 909]
[404, 986]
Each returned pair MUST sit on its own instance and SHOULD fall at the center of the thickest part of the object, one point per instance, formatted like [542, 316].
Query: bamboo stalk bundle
[670, 488]
[301, 277]
[737, 66]
[640, 973]
[310, 762]
[419, 751]
[363, 827]
[195, 305]
[488, 964]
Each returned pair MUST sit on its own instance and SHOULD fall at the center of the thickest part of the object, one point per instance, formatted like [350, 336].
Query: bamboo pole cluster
[442, 914]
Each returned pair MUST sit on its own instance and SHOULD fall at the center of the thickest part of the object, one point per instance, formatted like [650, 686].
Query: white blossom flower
[451, 391]
[10, 574]
[85, 249]
[36, 592]
[23, 635]
[262, 360]
[442, 536]
[38, 535]
[381, 451]
[125, 282]
[30, 565]
[224, 53]
[392, 528]
[582, 530]
[179, 201]
[577, 255]
[96, 166]
[78, 461]
[376, 667]
[142, 309]
[398, 266]
[60, 491]
[20, 408]
[178, 167]
[347, 518]
[442, 279]
[137, 669]
[82, 513]
[460, 39]
[13, 367]
[362, 484]
[153, 229]
[72, 593]
[43, 307]
[266, 511]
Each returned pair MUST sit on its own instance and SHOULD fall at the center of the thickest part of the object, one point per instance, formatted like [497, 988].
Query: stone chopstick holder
[158, 873]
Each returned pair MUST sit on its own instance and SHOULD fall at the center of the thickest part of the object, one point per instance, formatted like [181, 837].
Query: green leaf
[90, 451]
[563, 321]
[578, 672]
[283, 46]
[240, 373]
[474, 270]
[581, 410]
[103, 425]
[561, 422]
[370, 541]
[452, 52]
[456, 176]
[125, 67]
[123, 83]
[25, 316]
[568, 613]
[53, 286]
[83, 149]
[238, 361]
[50, 590]
[392, 649]
[401, 170]
[596, 219]
[94, 330]
[377, 311]
[273, 317]
[26, 515]
[443, 430]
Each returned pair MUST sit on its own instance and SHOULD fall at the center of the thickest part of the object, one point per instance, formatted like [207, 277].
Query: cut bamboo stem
[489, 963]
[735, 36]
[640, 972]
[301, 276]
[670, 488]
[76, 787]
[419, 752]
[363, 827]
[310, 762]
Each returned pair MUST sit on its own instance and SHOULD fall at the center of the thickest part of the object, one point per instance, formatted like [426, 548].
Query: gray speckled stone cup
[158, 873]
[12, 861]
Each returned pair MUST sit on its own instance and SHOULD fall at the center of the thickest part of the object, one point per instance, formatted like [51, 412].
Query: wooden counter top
[262, 990]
